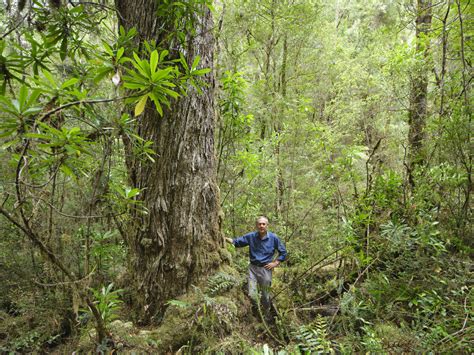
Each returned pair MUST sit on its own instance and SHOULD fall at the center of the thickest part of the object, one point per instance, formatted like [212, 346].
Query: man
[262, 247]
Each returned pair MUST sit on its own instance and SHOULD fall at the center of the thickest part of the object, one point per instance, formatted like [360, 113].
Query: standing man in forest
[262, 247]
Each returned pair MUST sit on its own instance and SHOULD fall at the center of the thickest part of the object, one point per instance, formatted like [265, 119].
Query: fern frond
[313, 337]
[219, 283]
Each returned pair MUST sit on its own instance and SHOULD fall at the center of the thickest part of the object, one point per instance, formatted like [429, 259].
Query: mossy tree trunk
[178, 241]
[419, 91]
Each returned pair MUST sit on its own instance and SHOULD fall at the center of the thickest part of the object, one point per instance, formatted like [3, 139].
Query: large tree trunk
[419, 92]
[178, 241]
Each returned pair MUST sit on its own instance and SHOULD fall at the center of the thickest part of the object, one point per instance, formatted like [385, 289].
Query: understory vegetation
[347, 123]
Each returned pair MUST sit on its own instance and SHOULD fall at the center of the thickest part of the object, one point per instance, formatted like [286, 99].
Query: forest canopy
[135, 137]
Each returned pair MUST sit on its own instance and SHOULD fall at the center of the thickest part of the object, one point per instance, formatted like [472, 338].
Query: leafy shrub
[108, 302]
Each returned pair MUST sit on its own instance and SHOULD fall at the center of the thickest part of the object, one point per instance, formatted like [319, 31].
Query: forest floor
[206, 323]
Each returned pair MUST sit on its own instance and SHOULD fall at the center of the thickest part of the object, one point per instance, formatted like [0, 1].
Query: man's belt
[258, 264]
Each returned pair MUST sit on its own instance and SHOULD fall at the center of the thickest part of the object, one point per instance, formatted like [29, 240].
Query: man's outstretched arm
[239, 242]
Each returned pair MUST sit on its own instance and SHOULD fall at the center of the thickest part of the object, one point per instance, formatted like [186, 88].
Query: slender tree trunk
[419, 92]
[466, 208]
[178, 240]
[280, 184]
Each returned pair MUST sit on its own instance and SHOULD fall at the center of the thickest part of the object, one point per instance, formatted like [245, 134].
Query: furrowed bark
[178, 241]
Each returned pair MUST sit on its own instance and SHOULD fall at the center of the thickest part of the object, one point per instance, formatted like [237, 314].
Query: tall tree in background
[419, 90]
[177, 241]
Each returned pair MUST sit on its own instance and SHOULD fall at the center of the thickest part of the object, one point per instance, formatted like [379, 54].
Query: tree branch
[79, 102]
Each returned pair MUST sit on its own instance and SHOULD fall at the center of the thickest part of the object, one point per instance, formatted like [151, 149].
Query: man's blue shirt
[261, 251]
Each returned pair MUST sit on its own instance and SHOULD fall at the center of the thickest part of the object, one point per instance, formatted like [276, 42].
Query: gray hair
[261, 217]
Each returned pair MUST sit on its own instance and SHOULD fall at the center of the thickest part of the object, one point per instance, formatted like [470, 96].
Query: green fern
[219, 283]
[313, 337]
[178, 304]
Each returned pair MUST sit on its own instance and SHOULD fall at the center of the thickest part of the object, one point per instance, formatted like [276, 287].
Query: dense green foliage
[313, 105]
[323, 133]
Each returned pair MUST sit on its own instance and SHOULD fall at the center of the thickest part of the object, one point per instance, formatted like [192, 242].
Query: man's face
[262, 226]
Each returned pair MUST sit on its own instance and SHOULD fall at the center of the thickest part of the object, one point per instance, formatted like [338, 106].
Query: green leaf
[130, 193]
[32, 111]
[140, 106]
[167, 83]
[163, 55]
[6, 133]
[108, 49]
[133, 86]
[69, 83]
[137, 58]
[184, 62]
[201, 71]
[195, 63]
[210, 7]
[120, 52]
[77, 9]
[159, 108]
[171, 93]
[37, 135]
[102, 72]
[67, 171]
[160, 74]
[53, 130]
[74, 130]
[16, 105]
[146, 67]
[34, 96]
[9, 143]
[63, 49]
[49, 77]
[23, 96]
[153, 61]
[178, 303]
[157, 100]
[147, 46]
[141, 70]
